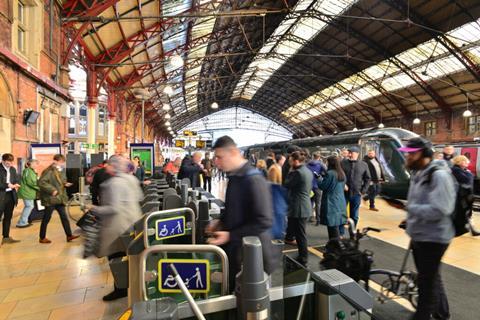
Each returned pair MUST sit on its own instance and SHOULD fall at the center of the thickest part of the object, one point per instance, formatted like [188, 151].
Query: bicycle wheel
[75, 206]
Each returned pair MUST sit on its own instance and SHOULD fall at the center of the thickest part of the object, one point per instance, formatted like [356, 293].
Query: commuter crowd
[260, 193]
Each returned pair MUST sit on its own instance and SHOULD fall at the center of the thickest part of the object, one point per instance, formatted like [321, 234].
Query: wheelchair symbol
[164, 231]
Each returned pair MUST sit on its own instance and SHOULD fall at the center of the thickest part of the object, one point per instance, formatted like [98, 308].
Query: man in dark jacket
[100, 176]
[248, 208]
[190, 169]
[8, 195]
[286, 165]
[376, 174]
[318, 169]
[358, 180]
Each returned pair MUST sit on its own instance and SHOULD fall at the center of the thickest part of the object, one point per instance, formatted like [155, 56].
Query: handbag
[91, 230]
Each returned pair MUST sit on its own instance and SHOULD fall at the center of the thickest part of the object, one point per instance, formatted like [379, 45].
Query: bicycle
[399, 284]
[76, 205]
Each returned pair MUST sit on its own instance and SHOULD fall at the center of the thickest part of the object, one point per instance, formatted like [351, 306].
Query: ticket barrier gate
[148, 232]
[304, 295]
[175, 226]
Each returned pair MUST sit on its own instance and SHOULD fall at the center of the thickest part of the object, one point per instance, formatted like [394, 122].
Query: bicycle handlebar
[373, 229]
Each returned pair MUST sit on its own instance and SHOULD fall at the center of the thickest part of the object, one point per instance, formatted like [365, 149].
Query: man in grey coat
[431, 202]
[119, 209]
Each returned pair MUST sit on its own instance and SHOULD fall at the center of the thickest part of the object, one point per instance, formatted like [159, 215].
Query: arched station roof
[312, 66]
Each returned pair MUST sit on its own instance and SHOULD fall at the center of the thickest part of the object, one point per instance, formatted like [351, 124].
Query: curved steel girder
[415, 17]
[84, 9]
[363, 76]
[303, 67]
[384, 52]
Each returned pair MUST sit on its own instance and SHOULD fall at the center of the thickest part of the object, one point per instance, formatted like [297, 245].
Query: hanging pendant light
[416, 121]
[214, 105]
[176, 61]
[467, 113]
[381, 125]
[168, 90]
[167, 116]
[166, 107]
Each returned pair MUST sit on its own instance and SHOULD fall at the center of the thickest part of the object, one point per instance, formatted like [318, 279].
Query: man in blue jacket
[318, 169]
[431, 202]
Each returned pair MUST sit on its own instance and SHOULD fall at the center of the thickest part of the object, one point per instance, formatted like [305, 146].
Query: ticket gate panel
[204, 269]
[175, 226]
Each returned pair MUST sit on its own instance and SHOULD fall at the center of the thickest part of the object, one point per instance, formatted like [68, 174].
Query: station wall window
[27, 30]
[473, 125]
[101, 121]
[72, 123]
[82, 120]
[430, 128]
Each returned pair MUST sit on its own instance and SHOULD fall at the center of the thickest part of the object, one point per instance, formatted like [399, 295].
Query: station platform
[53, 282]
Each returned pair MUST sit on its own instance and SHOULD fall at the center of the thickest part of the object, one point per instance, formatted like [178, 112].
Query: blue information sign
[170, 228]
[194, 272]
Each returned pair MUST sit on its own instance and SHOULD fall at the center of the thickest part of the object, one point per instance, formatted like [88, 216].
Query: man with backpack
[248, 208]
[431, 202]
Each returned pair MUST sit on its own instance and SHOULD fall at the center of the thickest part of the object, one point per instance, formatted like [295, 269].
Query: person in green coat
[299, 185]
[28, 191]
[333, 208]
[52, 185]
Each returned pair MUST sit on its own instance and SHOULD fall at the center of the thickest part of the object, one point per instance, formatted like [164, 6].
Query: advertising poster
[145, 151]
[44, 154]
[472, 155]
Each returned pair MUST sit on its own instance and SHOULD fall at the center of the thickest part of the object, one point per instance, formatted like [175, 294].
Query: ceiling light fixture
[168, 90]
[381, 125]
[214, 105]
[416, 120]
[467, 113]
[176, 61]
[167, 123]
[166, 107]
[167, 116]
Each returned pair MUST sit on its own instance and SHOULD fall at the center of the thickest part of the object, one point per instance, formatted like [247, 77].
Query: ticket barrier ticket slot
[203, 268]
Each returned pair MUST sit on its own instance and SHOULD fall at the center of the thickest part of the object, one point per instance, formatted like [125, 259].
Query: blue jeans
[373, 191]
[27, 209]
[354, 201]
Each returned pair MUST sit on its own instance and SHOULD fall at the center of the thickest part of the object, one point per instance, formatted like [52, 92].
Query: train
[385, 142]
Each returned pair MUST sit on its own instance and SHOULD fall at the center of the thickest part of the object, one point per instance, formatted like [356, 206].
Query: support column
[92, 102]
[111, 106]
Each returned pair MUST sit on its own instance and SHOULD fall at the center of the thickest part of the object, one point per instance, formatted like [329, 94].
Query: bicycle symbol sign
[195, 274]
[169, 228]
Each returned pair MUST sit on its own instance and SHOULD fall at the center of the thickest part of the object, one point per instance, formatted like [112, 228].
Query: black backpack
[463, 206]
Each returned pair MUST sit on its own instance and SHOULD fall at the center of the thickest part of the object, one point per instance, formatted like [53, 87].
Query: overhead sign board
[180, 143]
[169, 228]
[189, 133]
[195, 273]
[209, 143]
[200, 144]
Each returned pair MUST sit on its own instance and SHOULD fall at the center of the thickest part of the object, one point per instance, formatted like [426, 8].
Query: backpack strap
[430, 175]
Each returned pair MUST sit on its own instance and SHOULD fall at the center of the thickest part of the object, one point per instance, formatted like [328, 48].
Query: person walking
[248, 208]
[358, 180]
[191, 168]
[318, 169]
[207, 164]
[376, 175]
[118, 211]
[8, 195]
[28, 192]
[333, 207]
[299, 185]
[274, 174]
[431, 202]
[53, 195]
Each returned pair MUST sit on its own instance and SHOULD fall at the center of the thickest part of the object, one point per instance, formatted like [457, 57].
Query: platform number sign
[195, 274]
[170, 228]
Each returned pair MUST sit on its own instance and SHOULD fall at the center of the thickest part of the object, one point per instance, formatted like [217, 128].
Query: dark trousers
[333, 232]
[113, 256]
[373, 192]
[48, 215]
[354, 202]
[207, 182]
[6, 211]
[432, 299]
[298, 229]
[317, 202]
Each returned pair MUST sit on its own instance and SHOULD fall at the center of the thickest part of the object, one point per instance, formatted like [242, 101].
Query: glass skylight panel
[305, 28]
[391, 77]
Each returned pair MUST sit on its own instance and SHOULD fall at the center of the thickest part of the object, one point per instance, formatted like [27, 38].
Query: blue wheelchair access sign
[194, 272]
[170, 228]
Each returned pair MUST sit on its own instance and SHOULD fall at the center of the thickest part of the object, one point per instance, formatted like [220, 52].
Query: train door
[392, 162]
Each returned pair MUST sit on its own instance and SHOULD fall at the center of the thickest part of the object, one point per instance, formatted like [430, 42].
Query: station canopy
[311, 66]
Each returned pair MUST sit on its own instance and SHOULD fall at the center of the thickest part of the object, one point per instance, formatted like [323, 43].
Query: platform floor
[53, 282]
